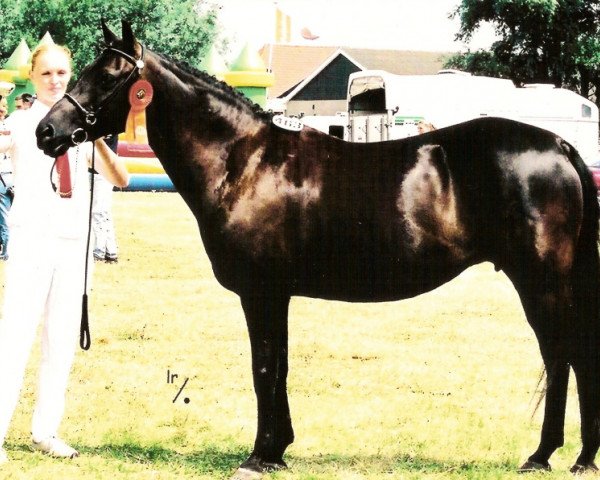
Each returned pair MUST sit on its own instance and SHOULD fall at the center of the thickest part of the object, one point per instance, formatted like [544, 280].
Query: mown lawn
[441, 386]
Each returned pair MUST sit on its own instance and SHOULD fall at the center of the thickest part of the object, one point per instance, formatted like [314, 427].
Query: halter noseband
[90, 116]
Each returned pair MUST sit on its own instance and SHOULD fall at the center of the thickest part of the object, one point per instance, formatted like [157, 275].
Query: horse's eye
[107, 80]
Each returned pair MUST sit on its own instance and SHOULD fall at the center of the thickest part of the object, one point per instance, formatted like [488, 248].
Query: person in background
[6, 187]
[105, 242]
[23, 101]
[424, 127]
[44, 274]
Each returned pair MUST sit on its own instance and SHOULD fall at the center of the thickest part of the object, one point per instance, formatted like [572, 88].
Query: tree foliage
[183, 29]
[539, 41]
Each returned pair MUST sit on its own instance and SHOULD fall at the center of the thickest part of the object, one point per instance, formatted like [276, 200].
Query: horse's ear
[128, 37]
[109, 37]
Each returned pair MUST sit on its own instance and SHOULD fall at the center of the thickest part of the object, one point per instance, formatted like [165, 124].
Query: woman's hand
[110, 165]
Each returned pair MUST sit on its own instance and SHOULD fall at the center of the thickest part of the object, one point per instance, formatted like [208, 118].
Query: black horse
[285, 213]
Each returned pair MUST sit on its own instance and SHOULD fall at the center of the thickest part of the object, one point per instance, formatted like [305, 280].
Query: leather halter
[90, 116]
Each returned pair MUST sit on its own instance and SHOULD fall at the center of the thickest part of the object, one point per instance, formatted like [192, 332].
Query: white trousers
[44, 281]
[105, 242]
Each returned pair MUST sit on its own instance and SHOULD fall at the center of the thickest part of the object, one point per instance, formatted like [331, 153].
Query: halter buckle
[90, 118]
[79, 136]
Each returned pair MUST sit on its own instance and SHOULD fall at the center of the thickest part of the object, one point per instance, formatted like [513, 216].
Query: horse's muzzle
[48, 142]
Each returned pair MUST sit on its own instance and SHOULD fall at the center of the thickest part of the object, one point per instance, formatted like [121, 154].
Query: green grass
[440, 386]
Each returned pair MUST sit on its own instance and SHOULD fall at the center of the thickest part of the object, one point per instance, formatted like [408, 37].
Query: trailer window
[336, 131]
[369, 101]
[367, 94]
[586, 111]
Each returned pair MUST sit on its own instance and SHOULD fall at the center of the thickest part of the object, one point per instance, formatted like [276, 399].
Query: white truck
[384, 106]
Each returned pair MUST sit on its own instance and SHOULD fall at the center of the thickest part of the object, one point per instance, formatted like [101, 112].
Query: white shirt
[37, 206]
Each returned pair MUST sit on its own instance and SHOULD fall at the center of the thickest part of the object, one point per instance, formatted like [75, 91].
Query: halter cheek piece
[90, 117]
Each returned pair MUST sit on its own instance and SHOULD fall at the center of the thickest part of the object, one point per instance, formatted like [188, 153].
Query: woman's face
[50, 76]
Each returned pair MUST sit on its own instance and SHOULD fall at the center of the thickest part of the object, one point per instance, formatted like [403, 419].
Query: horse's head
[98, 103]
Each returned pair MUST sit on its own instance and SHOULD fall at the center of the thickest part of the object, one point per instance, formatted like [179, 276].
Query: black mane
[227, 90]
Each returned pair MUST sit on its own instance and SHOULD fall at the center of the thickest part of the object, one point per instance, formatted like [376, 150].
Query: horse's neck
[194, 137]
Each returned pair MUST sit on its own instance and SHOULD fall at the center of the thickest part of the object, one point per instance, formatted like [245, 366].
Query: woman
[45, 270]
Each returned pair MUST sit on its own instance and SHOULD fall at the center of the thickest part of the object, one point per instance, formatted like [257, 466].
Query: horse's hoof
[579, 469]
[246, 474]
[530, 466]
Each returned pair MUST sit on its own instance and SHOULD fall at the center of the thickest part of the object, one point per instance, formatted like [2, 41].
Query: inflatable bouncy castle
[14, 77]
[249, 75]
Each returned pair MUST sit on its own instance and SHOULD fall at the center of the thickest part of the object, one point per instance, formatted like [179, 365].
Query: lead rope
[85, 340]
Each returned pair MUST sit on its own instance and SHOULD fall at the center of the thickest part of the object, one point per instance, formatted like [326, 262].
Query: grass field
[440, 386]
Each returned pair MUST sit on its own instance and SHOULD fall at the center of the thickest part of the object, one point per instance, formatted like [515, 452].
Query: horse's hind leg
[585, 356]
[586, 359]
[586, 365]
[267, 316]
[546, 308]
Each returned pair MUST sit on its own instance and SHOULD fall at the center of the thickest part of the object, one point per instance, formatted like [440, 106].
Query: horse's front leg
[267, 319]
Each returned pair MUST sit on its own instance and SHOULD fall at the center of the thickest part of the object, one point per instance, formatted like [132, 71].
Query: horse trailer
[384, 106]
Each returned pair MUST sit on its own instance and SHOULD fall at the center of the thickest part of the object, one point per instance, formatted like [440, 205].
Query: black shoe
[111, 258]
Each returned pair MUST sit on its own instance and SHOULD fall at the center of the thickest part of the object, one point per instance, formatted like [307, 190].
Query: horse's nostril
[44, 134]
[45, 131]
[48, 131]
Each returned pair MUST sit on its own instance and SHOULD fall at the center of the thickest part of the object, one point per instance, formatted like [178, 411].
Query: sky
[383, 24]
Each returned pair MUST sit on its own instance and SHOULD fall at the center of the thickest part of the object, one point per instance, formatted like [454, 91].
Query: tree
[539, 41]
[182, 29]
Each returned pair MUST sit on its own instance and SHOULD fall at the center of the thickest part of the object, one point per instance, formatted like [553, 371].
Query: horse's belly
[357, 281]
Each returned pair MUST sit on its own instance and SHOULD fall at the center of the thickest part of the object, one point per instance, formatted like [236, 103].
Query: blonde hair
[47, 47]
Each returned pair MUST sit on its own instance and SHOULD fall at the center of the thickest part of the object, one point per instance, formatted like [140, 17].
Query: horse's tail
[585, 279]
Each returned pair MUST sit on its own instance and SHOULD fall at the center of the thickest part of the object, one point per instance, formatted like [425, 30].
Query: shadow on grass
[214, 461]
[209, 460]
[221, 462]
[401, 463]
